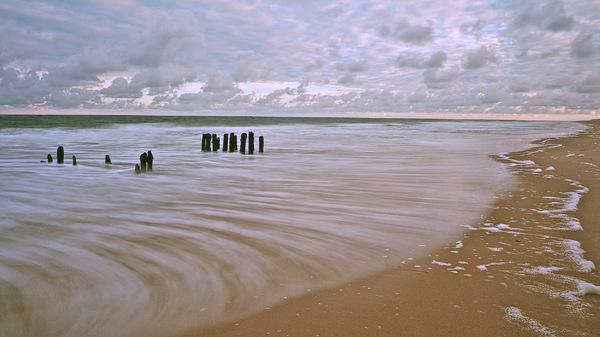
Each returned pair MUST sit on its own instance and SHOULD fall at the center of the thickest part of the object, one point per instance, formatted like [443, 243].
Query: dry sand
[515, 273]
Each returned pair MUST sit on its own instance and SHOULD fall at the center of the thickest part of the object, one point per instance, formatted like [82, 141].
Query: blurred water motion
[95, 250]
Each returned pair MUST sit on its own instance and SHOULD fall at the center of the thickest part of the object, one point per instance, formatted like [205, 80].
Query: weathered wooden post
[261, 144]
[107, 160]
[243, 143]
[74, 161]
[225, 142]
[50, 158]
[215, 142]
[250, 142]
[137, 169]
[150, 160]
[60, 155]
[143, 160]
[206, 142]
[232, 142]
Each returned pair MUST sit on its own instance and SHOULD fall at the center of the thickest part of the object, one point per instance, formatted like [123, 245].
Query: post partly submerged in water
[250, 142]
[60, 155]
[143, 161]
[206, 139]
[225, 142]
[150, 160]
[232, 142]
[74, 161]
[261, 144]
[107, 160]
[215, 142]
[243, 143]
[50, 158]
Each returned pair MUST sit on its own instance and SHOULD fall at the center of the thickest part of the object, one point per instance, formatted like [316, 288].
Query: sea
[205, 237]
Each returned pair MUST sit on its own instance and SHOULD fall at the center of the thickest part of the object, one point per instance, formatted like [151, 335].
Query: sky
[355, 58]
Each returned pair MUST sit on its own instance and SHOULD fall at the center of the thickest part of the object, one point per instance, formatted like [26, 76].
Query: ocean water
[98, 250]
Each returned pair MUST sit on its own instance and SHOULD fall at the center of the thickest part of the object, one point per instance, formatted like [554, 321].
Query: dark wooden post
[74, 161]
[150, 160]
[107, 160]
[243, 143]
[137, 169]
[225, 142]
[60, 155]
[250, 142]
[261, 144]
[215, 142]
[143, 160]
[206, 142]
[232, 142]
[50, 158]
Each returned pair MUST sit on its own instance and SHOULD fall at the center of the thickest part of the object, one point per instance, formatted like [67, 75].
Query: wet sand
[525, 269]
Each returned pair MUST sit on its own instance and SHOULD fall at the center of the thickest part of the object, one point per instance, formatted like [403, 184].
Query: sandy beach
[527, 268]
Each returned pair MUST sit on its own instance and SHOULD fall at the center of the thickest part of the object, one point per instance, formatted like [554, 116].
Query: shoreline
[523, 269]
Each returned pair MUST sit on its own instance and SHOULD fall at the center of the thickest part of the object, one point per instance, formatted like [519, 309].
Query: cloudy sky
[292, 57]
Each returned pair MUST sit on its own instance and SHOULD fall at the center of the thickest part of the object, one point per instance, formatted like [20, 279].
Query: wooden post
[215, 142]
[232, 142]
[143, 161]
[107, 160]
[261, 144]
[137, 169]
[206, 142]
[60, 155]
[243, 143]
[50, 158]
[150, 160]
[225, 142]
[74, 161]
[250, 142]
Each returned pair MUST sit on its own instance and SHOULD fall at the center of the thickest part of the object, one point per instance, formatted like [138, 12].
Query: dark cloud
[478, 58]
[249, 68]
[357, 66]
[405, 32]
[418, 61]
[173, 39]
[275, 96]
[440, 79]
[583, 46]
[547, 16]
[347, 79]
[121, 88]
[218, 84]
[588, 84]
[475, 29]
